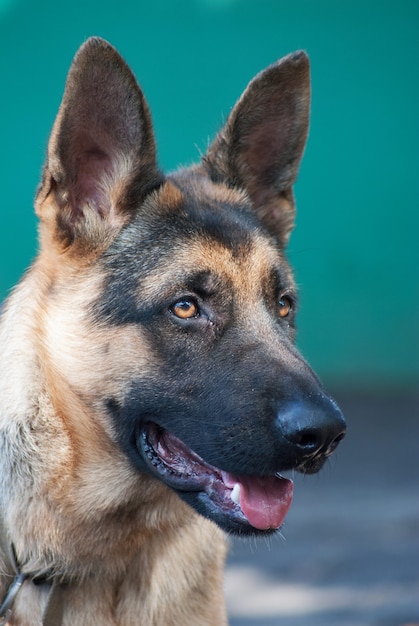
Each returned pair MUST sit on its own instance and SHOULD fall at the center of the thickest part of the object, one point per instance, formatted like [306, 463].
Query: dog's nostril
[336, 441]
[339, 438]
[308, 439]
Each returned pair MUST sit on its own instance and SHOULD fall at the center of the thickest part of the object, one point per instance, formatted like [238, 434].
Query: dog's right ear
[101, 155]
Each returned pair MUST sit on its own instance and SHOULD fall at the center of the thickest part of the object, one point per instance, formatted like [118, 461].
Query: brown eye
[185, 309]
[284, 306]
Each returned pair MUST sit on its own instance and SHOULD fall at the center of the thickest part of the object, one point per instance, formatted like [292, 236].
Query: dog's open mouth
[260, 502]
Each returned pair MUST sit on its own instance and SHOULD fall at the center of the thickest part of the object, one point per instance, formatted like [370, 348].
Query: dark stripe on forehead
[221, 213]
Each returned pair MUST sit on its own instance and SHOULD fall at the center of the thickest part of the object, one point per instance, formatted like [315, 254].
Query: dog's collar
[10, 597]
[53, 612]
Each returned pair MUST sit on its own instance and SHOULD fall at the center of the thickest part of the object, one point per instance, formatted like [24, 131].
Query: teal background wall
[355, 249]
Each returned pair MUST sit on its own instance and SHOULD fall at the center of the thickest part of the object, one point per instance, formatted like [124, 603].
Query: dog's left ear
[101, 158]
[261, 145]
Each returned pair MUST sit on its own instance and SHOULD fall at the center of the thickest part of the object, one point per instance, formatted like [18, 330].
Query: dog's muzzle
[307, 432]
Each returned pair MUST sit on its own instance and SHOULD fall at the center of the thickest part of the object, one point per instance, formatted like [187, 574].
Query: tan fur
[85, 485]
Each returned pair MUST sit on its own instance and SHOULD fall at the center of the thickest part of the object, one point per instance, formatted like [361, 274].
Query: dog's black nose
[314, 426]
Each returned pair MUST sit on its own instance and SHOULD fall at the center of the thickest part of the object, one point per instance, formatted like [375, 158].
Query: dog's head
[171, 306]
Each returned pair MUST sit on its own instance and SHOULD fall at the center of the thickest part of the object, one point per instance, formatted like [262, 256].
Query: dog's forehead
[191, 207]
[187, 239]
[205, 262]
[209, 230]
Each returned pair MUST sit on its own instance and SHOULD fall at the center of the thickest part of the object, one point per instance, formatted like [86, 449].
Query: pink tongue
[264, 501]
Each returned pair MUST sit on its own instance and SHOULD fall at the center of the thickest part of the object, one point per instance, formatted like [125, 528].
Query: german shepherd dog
[151, 396]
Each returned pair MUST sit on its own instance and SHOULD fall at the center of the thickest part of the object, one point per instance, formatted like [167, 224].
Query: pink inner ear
[90, 170]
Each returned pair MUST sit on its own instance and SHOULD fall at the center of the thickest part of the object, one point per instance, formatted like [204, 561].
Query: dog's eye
[185, 309]
[284, 306]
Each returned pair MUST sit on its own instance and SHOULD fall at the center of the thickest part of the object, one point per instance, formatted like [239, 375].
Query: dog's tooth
[235, 493]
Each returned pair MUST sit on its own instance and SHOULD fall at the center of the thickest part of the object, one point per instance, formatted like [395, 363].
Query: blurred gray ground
[349, 555]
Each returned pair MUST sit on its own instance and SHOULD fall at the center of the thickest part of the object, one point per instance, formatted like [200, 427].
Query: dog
[151, 395]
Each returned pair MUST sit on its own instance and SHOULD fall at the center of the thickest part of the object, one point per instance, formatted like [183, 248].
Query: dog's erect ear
[260, 147]
[101, 155]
